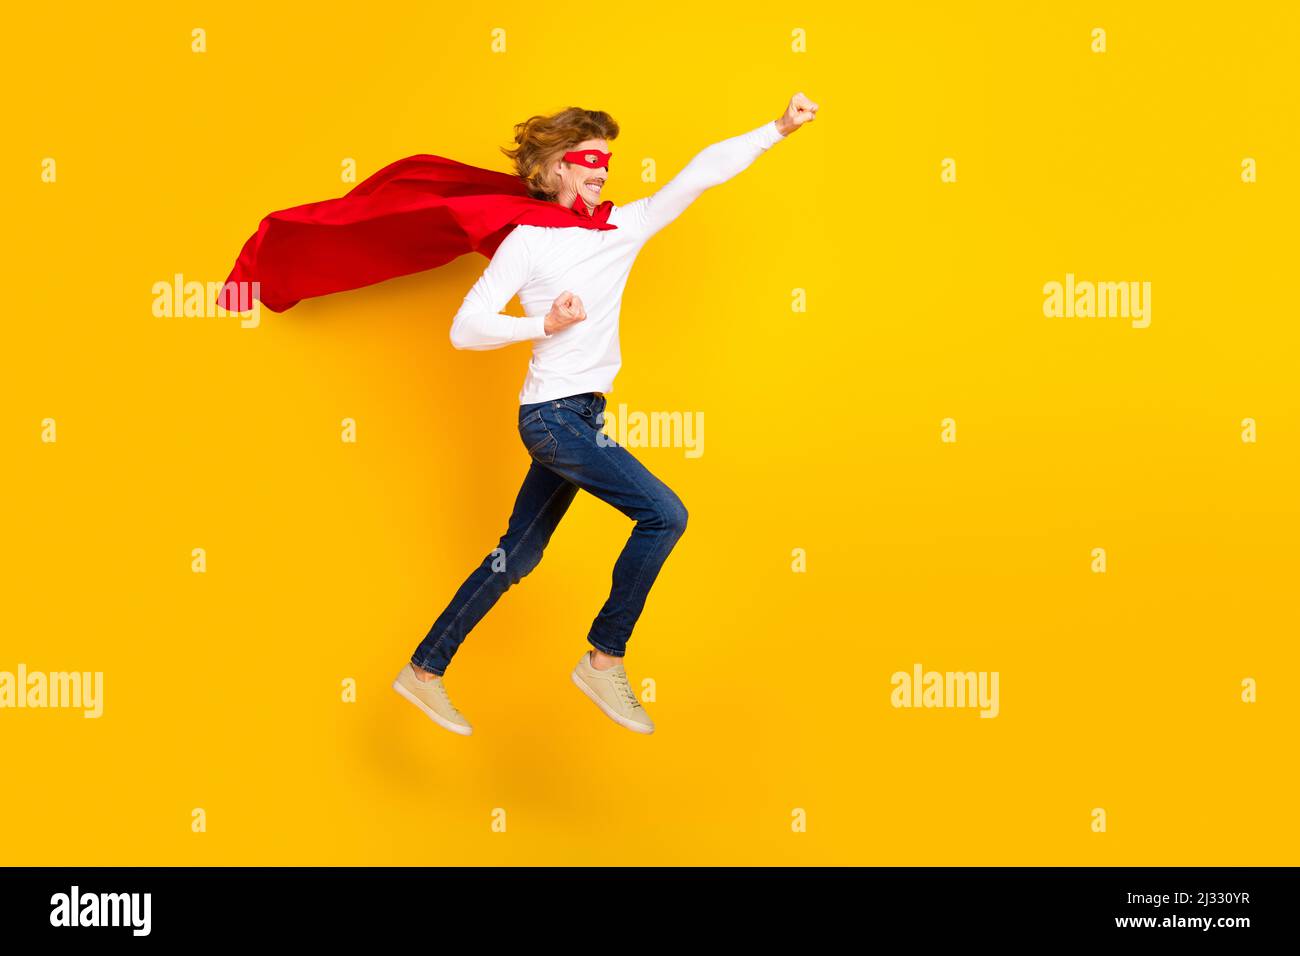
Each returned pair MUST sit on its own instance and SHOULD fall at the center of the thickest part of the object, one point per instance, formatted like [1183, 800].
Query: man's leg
[542, 501]
[660, 521]
[612, 474]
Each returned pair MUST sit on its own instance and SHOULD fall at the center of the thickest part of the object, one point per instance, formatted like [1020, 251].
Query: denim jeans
[567, 455]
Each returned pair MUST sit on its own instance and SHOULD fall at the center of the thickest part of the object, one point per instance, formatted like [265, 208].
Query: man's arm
[716, 164]
[711, 166]
[480, 324]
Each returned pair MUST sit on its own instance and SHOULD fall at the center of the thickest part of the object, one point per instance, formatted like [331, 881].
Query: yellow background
[328, 560]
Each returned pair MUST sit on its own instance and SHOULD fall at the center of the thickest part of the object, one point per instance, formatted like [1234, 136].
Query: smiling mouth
[594, 186]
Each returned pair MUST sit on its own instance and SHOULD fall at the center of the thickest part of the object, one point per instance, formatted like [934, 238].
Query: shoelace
[620, 681]
[443, 690]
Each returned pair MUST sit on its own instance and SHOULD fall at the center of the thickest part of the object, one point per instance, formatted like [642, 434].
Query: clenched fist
[565, 311]
[801, 110]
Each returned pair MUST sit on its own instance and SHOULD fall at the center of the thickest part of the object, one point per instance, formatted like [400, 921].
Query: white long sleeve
[711, 166]
[480, 324]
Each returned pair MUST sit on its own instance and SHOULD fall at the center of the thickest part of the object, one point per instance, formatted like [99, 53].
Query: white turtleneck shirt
[537, 263]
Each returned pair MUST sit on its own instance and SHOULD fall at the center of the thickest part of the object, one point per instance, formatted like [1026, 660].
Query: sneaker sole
[605, 709]
[433, 715]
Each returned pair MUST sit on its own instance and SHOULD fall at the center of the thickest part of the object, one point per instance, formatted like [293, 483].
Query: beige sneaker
[431, 697]
[613, 694]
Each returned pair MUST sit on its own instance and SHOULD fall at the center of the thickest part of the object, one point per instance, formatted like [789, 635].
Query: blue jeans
[561, 438]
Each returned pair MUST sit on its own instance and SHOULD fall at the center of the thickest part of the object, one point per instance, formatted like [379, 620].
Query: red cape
[412, 215]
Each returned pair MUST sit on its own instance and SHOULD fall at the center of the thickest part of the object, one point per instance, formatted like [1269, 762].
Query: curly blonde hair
[544, 139]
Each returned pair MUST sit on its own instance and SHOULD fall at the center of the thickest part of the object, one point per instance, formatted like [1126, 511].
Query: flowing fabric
[414, 214]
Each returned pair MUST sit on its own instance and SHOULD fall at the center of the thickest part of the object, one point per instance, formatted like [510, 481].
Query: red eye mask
[588, 157]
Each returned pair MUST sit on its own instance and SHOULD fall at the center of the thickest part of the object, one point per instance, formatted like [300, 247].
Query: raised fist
[801, 110]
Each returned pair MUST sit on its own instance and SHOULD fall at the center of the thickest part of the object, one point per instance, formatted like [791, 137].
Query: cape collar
[601, 213]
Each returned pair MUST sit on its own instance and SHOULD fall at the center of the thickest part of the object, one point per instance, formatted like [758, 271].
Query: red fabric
[412, 215]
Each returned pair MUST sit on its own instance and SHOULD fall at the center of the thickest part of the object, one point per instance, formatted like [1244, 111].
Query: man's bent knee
[674, 515]
[514, 567]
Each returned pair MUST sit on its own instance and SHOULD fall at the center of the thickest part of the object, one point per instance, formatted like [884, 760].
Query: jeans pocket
[537, 438]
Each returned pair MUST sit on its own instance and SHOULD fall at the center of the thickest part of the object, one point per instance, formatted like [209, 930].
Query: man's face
[579, 180]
